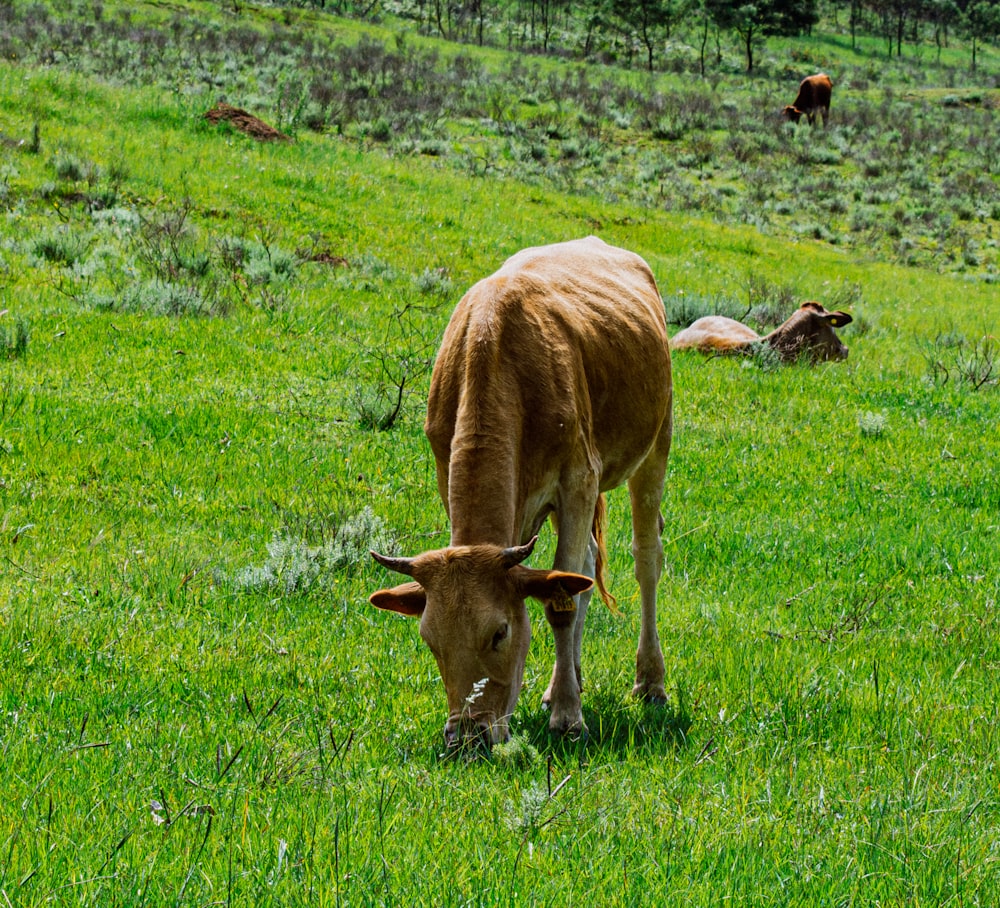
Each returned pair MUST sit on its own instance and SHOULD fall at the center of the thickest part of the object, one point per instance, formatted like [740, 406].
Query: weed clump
[973, 364]
[61, 246]
[527, 817]
[294, 566]
[256, 270]
[770, 303]
[434, 282]
[156, 262]
[154, 298]
[764, 357]
[872, 425]
[71, 169]
[516, 753]
[14, 339]
[119, 221]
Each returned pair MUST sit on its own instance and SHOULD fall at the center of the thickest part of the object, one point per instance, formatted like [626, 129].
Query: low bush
[684, 308]
[294, 566]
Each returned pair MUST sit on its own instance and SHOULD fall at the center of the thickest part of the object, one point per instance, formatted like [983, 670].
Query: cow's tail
[600, 522]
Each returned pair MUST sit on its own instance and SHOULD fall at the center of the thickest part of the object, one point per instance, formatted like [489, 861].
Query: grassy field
[197, 704]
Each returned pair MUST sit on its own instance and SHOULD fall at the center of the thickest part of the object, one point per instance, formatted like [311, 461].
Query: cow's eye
[500, 635]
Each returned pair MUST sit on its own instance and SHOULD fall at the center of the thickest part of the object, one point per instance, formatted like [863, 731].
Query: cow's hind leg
[646, 491]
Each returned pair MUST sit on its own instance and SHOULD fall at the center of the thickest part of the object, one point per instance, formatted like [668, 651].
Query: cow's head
[792, 113]
[809, 332]
[470, 602]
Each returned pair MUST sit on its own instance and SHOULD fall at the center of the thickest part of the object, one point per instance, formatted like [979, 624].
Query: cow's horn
[399, 565]
[517, 553]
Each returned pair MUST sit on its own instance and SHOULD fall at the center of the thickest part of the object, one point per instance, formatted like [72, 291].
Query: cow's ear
[839, 319]
[548, 586]
[407, 599]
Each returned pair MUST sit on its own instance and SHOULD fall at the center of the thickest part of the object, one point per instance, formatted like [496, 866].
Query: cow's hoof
[650, 693]
[569, 728]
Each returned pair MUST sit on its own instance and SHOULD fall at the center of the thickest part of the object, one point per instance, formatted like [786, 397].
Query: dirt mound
[324, 257]
[245, 123]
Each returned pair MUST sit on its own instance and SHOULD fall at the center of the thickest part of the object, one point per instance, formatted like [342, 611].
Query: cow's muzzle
[472, 733]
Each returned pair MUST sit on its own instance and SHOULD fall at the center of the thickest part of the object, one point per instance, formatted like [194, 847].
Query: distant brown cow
[552, 386]
[814, 96]
[809, 332]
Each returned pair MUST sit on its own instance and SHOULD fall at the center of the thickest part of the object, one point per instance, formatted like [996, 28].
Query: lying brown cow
[551, 386]
[809, 332]
[813, 97]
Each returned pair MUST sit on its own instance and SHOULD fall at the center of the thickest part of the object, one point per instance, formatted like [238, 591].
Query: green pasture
[199, 335]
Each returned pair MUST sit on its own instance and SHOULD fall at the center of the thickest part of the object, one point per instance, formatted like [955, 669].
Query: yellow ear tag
[561, 602]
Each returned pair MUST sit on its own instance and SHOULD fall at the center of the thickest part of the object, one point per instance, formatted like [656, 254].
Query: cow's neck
[484, 431]
[784, 342]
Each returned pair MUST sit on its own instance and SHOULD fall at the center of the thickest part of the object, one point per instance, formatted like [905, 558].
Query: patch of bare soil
[246, 123]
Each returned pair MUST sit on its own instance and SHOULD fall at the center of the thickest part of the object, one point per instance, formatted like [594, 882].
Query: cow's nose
[467, 733]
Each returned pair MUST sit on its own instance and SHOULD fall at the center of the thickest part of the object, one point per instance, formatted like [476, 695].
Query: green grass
[170, 734]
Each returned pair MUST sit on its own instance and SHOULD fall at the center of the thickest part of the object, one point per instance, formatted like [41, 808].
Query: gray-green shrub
[294, 566]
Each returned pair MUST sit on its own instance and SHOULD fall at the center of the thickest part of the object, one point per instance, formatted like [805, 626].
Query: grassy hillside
[197, 704]
[906, 172]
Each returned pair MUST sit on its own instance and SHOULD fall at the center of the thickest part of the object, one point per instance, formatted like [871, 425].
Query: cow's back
[814, 94]
[565, 345]
[714, 334]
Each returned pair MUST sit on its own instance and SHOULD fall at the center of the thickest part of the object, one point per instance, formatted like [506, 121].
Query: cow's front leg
[563, 694]
[576, 549]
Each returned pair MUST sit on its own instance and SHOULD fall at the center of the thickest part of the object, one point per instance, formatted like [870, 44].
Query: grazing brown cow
[809, 332]
[814, 96]
[552, 385]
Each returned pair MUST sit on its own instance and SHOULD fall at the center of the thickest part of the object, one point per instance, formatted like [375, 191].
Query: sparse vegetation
[683, 308]
[394, 366]
[694, 146]
[972, 363]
